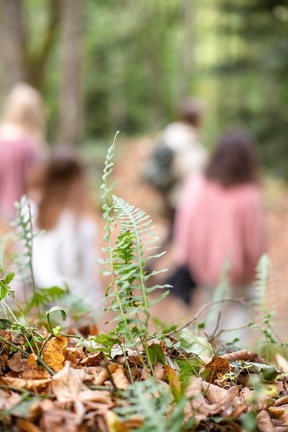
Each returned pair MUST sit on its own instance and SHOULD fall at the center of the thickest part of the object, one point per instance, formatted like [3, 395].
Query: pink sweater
[215, 224]
[16, 159]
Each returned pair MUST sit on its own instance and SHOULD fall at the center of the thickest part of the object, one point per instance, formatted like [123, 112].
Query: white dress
[67, 256]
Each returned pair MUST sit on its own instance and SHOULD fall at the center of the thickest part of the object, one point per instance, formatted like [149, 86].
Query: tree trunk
[12, 42]
[186, 59]
[71, 97]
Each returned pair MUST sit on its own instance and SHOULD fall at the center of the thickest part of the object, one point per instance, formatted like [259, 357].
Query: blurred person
[65, 254]
[219, 221]
[22, 143]
[177, 154]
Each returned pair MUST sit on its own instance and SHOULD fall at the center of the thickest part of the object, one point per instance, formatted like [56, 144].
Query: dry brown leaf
[174, 381]
[215, 369]
[68, 383]
[281, 401]
[16, 363]
[263, 401]
[30, 384]
[97, 374]
[145, 373]
[119, 377]
[33, 371]
[74, 355]
[99, 396]
[159, 370]
[116, 424]
[93, 359]
[56, 420]
[241, 355]
[26, 426]
[264, 422]
[54, 352]
[281, 362]
[8, 400]
[278, 412]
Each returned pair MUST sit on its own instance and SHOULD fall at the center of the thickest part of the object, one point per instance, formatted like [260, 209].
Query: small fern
[262, 300]
[25, 234]
[152, 402]
[127, 258]
[263, 279]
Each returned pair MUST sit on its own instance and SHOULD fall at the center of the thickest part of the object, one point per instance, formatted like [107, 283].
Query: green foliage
[152, 403]
[127, 291]
[25, 235]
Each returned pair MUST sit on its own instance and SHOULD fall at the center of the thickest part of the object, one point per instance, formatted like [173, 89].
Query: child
[65, 253]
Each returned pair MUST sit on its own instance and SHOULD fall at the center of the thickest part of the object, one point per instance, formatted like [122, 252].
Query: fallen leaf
[16, 363]
[264, 422]
[53, 353]
[68, 383]
[241, 355]
[99, 396]
[33, 371]
[215, 369]
[159, 370]
[26, 426]
[97, 374]
[93, 359]
[30, 384]
[281, 362]
[116, 424]
[74, 355]
[119, 378]
[281, 401]
[174, 381]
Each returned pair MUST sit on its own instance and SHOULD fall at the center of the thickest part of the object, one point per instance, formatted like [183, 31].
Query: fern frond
[126, 262]
[261, 285]
[152, 401]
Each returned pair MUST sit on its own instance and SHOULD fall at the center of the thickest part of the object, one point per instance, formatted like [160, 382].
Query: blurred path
[129, 164]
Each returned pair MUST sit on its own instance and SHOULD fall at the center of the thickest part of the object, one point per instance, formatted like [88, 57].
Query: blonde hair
[24, 109]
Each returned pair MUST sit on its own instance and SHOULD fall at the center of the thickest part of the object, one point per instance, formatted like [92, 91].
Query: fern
[262, 300]
[263, 278]
[24, 233]
[152, 402]
[127, 258]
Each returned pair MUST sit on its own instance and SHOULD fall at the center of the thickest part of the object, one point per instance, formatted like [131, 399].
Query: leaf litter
[85, 389]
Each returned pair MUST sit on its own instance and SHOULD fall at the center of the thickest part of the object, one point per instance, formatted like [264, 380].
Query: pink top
[16, 159]
[215, 224]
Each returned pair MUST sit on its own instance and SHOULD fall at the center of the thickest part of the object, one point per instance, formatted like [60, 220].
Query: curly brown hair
[234, 160]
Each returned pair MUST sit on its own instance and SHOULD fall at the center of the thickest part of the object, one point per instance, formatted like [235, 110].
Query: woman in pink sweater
[219, 222]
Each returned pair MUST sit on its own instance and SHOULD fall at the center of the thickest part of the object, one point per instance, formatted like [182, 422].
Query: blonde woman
[22, 142]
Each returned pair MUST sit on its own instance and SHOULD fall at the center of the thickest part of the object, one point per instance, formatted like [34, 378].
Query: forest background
[107, 65]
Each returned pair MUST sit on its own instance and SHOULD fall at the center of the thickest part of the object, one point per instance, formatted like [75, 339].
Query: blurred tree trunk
[186, 60]
[71, 97]
[12, 42]
[36, 63]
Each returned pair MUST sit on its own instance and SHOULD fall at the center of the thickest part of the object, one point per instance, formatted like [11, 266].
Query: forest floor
[129, 162]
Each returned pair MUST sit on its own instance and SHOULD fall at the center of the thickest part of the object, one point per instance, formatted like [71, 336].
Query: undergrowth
[176, 354]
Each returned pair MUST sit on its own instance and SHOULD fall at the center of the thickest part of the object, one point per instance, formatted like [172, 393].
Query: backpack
[159, 168]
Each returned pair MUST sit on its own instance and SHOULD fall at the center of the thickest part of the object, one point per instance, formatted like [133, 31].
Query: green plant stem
[45, 366]
[14, 346]
[24, 318]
